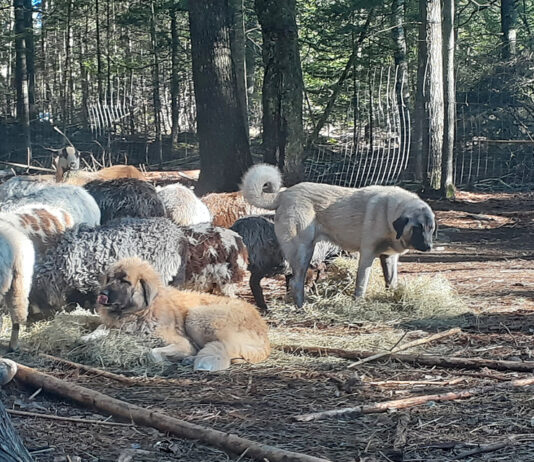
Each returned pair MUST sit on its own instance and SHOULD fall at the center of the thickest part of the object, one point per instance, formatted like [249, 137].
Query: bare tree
[175, 77]
[223, 143]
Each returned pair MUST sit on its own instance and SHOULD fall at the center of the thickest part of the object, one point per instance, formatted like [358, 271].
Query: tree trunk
[98, 54]
[434, 95]
[21, 77]
[509, 27]
[447, 179]
[155, 83]
[30, 53]
[420, 125]
[175, 79]
[83, 74]
[223, 143]
[283, 133]
[237, 44]
[11, 446]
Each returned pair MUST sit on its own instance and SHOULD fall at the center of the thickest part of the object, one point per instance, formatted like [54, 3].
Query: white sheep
[182, 206]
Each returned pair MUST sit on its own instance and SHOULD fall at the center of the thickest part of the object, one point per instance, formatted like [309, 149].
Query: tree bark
[175, 78]
[100, 87]
[447, 178]
[223, 143]
[30, 53]
[156, 83]
[420, 153]
[509, 17]
[237, 44]
[21, 77]
[283, 133]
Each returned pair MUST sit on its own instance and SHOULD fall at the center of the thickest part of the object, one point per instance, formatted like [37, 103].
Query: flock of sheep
[59, 234]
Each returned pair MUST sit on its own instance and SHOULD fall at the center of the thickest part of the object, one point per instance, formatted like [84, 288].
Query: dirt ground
[485, 249]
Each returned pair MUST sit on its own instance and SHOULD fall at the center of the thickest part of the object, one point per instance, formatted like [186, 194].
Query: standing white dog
[377, 221]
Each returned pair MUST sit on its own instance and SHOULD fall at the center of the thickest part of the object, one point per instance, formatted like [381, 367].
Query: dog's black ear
[399, 225]
[149, 291]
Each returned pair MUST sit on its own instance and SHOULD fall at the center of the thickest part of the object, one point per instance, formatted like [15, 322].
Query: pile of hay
[61, 337]
[419, 298]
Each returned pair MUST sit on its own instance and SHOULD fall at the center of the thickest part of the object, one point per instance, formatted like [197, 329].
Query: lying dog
[378, 221]
[209, 330]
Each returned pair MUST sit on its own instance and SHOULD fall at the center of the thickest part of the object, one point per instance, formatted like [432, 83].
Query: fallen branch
[68, 419]
[92, 370]
[414, 401]
[483, 448]
[140, 416]
[29, 167]
[452, 362]
[407, 346]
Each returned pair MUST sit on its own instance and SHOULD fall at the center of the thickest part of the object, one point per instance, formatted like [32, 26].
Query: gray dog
[377, 221]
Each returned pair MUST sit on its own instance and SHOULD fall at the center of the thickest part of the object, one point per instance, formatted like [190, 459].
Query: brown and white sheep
[227, 208]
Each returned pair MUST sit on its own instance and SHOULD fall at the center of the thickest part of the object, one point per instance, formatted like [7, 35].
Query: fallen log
[92, 370]
[451, 362]
[227, 442]
[414, 401]
[406, 346]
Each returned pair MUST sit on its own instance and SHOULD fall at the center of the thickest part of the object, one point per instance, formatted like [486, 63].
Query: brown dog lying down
[208, 330]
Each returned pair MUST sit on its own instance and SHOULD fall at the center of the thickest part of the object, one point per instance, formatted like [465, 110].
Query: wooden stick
[68, 419]
[414, 401]
[15, 164]
[482, 448]
[140, 416]
[408, 345]
[92, 370]
[452, 362]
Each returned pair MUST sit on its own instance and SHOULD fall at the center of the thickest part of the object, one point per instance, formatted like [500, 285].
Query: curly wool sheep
[69, 272]
[73, 199]
[226, 208]
[41, 223]
[265, 257]
[217, 259]
[182, 206]
[17, 258]
[125, 197]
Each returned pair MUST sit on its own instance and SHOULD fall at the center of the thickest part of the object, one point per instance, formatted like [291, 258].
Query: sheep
[40, 223]
[226, 208]
[182, 206]
[125, 197]
[69, 272]
[73, 199]
[23, 185]
[217, 259]
[199, 257]
[81, 177]
[265, 257]
[17, 259]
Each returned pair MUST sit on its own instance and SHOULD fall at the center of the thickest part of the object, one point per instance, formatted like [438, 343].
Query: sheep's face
[125, 293]
[68, 159]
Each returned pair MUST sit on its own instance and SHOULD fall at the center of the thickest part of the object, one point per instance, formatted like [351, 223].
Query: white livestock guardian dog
[377, 221]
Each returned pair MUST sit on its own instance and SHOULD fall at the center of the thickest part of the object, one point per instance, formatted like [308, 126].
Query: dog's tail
[260, 186]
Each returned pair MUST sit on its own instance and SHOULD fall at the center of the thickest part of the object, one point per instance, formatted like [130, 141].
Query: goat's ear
[149, 291]
[399, 225]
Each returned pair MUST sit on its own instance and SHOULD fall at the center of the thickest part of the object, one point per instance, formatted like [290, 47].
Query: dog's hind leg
[364, 272]
[299, 259]
[389, 268]
[180, 348]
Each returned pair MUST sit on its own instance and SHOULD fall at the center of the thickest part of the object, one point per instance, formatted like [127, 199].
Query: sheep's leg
[257, 291]
[389, 268]
[14, 339]
[299, 259]
[17, 302]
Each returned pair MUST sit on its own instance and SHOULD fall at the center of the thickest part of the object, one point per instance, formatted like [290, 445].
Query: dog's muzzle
[102, 299]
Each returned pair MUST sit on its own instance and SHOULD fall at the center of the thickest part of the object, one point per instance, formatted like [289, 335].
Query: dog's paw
[156, 357]
[99, 333]
[8, 369]
[211, 363]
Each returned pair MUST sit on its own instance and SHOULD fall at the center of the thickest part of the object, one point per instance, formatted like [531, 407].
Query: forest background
[429, 92]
